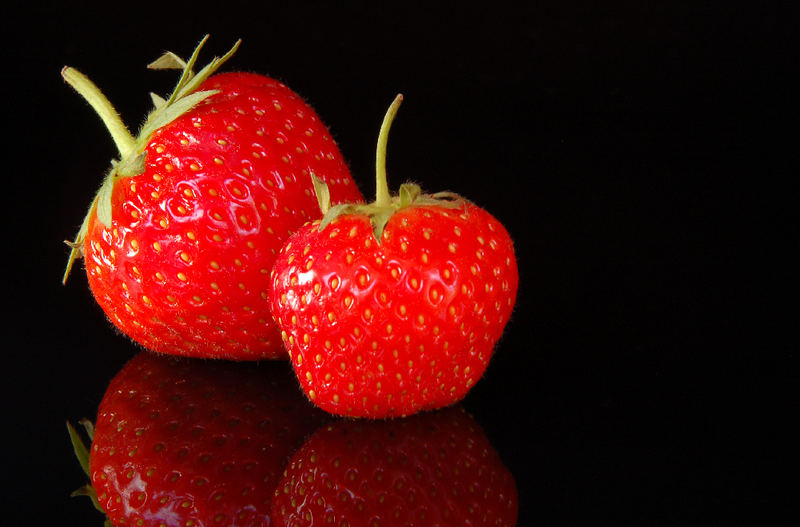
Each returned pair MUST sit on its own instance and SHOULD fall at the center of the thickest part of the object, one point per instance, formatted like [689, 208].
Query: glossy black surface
[629, 152]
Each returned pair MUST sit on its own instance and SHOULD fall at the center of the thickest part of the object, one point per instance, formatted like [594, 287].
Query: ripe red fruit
[394, 307]
[185, 442]
[180, 239]
[436, 468]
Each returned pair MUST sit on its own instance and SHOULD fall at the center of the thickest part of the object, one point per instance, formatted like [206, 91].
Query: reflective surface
[188, 442]
[627, 151]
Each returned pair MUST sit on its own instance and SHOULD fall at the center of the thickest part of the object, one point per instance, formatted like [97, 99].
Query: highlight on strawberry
[393, 307]
[190, 442]
[180, 239]
[436, 468]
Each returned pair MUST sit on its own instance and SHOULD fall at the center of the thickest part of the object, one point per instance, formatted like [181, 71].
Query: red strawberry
[185, 442]
[394, 307]
[181, 237]
[437, 468]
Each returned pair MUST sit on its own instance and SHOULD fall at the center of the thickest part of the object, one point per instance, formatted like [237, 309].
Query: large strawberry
[185, 442]
[394, 307]
[437, 468]
[181, 237]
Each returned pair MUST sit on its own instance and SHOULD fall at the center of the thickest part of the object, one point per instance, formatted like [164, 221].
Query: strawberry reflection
[429, 469]
[182, 442]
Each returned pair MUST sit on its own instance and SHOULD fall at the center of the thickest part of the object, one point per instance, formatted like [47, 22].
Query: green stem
[88, 90]
[382, 196]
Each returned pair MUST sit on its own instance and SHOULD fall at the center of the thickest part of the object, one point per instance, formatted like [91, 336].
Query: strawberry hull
[183, 267]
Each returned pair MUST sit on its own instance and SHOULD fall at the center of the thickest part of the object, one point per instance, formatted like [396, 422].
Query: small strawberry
[180, 238]
[436, 468]
[394, 307]
[182, 442]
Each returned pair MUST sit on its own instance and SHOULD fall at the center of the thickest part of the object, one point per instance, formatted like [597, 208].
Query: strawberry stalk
[102, 106]
[385, 204]
[382, 196]
[131, 149]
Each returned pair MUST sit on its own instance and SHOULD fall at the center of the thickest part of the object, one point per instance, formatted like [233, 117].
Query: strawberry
[180, 239]
[393, 307]
[436, 468]
[186, 442]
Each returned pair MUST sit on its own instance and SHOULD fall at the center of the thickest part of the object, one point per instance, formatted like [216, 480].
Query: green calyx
[82, 453]
[131, 159]
[385, 205]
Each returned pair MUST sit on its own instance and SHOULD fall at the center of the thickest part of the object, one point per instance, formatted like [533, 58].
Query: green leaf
[205, 73]
[89, 427]
[187, 73]
[171, 111]
[409, 192]
[379, 222]
[104, 201]
[323, 194]
[81, 452]
[168, 61]
[158, 101]
[333, 213]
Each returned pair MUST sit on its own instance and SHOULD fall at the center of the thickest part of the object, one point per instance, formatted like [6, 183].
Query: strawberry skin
[436, 468]
[392, 328]
[183, 267]
[184, 442]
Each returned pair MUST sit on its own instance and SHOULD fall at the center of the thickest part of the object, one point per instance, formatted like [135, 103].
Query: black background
[636, 155]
